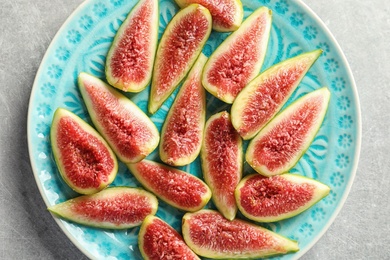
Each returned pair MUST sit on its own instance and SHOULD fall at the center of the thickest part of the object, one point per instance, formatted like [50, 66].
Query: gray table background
[361, 230]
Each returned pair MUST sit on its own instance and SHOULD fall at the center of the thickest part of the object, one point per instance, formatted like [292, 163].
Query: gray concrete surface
[361, 230]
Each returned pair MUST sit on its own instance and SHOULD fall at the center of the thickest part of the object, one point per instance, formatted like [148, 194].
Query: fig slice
[129, 62]
[158, 240]
[282, 142]
[238, 59]
[84, 159]
[182, 132]
[269, 199]
[179, 189]
[211, 235]
[129, 131]
[222, 162]
[112, 208]
[179, 47]
[226, 14]
[264, 96]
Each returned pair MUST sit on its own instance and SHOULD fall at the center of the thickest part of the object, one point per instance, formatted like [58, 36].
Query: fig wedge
[222, 162]
[180, 189]
[84, 159]
[238, 59]
[128, 130]
[282, 142]
[211, 235]
[179, 47]
[182, 131]
[269, 199]
[112, 208]
[129, 62]
[264, 96]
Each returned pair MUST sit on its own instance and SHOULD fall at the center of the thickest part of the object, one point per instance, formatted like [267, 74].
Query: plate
[81, 45]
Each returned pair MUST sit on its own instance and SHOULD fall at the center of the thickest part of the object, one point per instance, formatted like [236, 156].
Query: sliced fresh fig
[129, 62]
[264, 96]
[211, 235]
[238, 59]
[179, 47]
[128, 130]
[182, 132]
[282, 142]
[269, 199]
[84, 159]
[112, 208]
[222, 159]
[180, 189]
[158, 240]
[227, 14]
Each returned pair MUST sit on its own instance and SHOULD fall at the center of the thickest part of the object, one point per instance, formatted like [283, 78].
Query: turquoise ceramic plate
[82, 44]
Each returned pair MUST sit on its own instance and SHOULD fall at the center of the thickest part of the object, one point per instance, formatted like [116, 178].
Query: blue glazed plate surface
[81, 45]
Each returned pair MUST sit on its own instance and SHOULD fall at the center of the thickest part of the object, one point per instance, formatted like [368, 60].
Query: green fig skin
[125, 69]
[289, 195]
[129, 131]
[172, 63]
[84, 166]
[111, 208]
[282, 142]
[211, 235]
[265, 95]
